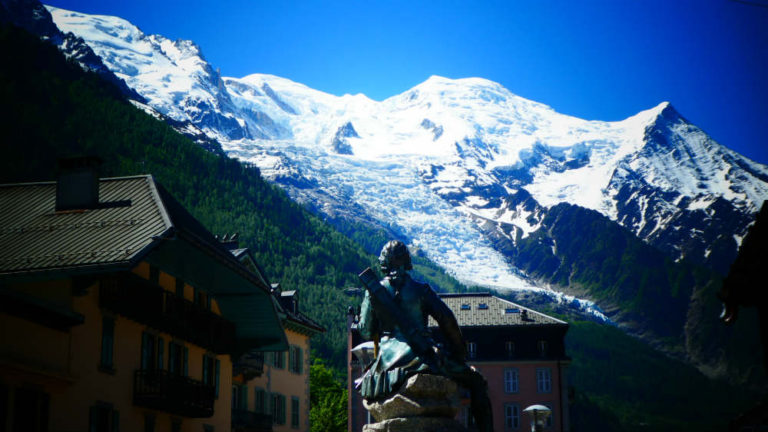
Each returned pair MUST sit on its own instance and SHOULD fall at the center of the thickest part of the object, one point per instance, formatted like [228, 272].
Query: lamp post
[539, 415]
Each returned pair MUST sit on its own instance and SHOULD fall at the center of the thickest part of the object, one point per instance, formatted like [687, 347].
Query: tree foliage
[328, 400]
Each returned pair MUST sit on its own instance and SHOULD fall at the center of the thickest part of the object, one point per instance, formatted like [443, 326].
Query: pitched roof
[137, 219]
[486, 310]
[35, 237]
[284, 300]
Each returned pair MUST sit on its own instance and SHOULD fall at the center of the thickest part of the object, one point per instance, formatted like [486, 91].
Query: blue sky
[599, 60]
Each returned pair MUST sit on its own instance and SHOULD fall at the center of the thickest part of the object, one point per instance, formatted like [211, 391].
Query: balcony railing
[248, 421]
[250, 365]
[172, 393]
[143, 301]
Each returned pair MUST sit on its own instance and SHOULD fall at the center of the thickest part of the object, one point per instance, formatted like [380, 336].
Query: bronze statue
[394, 315]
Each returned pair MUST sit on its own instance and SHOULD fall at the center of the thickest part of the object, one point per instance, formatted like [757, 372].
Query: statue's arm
[449, 327]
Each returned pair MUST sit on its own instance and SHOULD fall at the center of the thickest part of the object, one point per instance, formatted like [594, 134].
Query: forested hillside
[51, 108]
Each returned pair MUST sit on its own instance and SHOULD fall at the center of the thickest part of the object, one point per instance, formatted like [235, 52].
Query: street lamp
[539, 415]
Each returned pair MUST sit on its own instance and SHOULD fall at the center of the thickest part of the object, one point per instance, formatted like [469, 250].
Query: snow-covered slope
[449, 164]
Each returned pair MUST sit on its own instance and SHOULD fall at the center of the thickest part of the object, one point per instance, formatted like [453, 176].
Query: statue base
[427, 403]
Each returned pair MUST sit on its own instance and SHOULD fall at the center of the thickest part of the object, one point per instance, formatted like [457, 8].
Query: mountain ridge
[455, 167]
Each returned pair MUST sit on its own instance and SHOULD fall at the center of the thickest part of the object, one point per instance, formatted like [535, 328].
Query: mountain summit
[450, 165]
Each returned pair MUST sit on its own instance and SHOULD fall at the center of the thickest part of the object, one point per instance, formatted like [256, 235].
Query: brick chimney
[77, 185]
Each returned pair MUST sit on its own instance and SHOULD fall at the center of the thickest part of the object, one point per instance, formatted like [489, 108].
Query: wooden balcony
[248, 421]
[142, 301]
[172, 393]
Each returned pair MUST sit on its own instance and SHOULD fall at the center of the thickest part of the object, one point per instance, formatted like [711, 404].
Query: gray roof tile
[34, 237]
[486, 310]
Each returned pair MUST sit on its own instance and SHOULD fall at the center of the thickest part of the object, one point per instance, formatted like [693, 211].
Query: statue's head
[395, 256]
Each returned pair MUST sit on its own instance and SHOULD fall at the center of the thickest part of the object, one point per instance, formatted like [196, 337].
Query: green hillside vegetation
[621, 384]
[52, 109]
[605, 262]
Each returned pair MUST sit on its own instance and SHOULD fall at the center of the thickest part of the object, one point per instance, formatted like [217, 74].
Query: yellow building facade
[120, 313]
[278, 393]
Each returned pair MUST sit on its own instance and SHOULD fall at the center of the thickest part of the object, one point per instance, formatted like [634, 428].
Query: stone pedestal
[425, 403]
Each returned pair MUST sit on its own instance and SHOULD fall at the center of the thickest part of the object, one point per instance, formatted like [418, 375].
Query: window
[180, 287]
[278, 359]
[278, 409]
[511, 310]
[235, 397]
[175, 425]
[543, 348]
[239, 397]
[294, 412]
[211, 371]
[466, 306]
[201, 298]
[509, 349]
[482, 306]
[471, 350]
[148, 351]
[511, 416]
[260, 398]
[511, 380]
[217, 376]
[107, 343]
[178, 359]
[103, 418]
[295, 359]
[208, 370]
[544, 380]
[149, 422]
[154, 274]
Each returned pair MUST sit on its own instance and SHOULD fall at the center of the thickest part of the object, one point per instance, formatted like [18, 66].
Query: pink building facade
[520, 352]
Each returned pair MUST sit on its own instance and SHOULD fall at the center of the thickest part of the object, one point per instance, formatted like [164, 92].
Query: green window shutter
[294, 412]
[160, 353]
[301, 359]
[258, 401]
[206, 369]
[172, 357]
[146, 358]
[217, 377]
[186, 361]
[291, 358]
[107, 341]
[244, 393]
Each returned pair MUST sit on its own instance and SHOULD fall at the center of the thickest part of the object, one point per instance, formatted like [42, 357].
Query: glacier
[439, 161]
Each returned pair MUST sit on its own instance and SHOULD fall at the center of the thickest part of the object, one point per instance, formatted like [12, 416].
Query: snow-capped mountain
[450, 165]
[35, 18]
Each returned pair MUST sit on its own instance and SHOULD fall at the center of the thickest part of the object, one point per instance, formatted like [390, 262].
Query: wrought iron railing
[143, 301]
[172, 393]
[249, 421]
